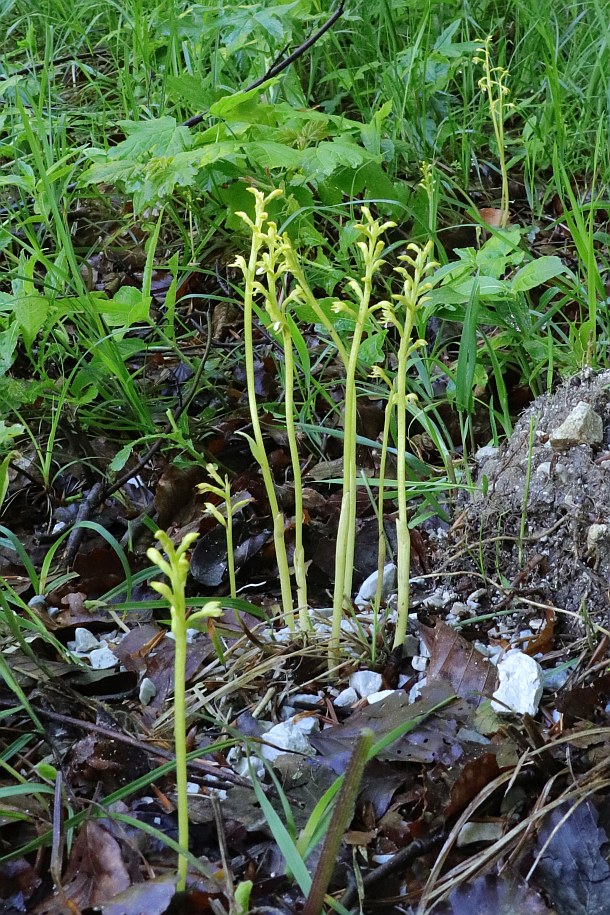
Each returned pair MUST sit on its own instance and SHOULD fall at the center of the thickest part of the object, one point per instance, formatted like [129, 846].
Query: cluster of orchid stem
[175, 566]
[271, 262]
[493, 85]
[401, 313]
[221, 488]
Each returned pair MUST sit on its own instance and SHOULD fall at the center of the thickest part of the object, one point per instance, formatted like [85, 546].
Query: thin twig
[278, 66]
[403, 857]
[216, 775]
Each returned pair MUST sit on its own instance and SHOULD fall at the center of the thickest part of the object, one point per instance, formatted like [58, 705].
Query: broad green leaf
[31, 313]
[499, 252]
[121, 458]
[274, 155]
[371, 349]
[327, 156]
[228, 104]
[8, 344]
[306, 313]
[8, 433]
[190, 89]
[127, 307]
[537, 272]
[156, 137]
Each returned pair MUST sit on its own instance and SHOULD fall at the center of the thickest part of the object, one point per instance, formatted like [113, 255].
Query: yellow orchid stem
[179, 631]
[277, 516]
[299, 554]
[403, 536]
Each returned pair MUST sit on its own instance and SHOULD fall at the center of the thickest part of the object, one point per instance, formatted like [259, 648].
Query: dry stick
[342, 814]
[216, 775]
[276, 68]
[405, 856]
[101, 491]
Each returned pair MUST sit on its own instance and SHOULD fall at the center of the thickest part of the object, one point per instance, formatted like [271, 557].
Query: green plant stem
[381, 547]
[403, 536]
[176, 568]
[346, 536]
[277, 516]
[299, 554]
[230, 554]
[179, 629]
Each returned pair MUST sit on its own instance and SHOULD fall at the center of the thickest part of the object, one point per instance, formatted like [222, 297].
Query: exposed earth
[540, 525]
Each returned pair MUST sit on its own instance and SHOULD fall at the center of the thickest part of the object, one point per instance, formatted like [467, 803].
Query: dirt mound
[541, 522]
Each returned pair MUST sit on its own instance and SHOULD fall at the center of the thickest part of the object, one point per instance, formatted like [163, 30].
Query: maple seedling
[176, 568]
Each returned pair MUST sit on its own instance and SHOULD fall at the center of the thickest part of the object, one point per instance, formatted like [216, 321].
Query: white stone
[84, 641]
[243, 766]
[103, 658]
[148, 690]
[365, 682]
[368, 588]
[521, 684]
[415, 691]
[346, 698]
[459, 608]
[439, 599]
[286, 737]
[306, 724]
[419, 663]
[424, 651]
[190, 635]
[582, 426]
[377, 697]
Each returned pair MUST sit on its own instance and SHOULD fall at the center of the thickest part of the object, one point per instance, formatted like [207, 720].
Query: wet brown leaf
[454, 660]
[95, 873]
[491, 895]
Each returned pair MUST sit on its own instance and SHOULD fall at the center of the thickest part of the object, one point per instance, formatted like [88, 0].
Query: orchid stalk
[360, 309]
[493, 85]
[222, 489]
[402, 312]
[175, 567]
[273, 267]
[251, 269]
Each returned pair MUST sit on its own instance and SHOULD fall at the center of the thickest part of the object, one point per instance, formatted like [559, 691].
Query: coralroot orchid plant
[271, 262]
[221, 488]
[176, 567]
[494, 87]
[402, 314]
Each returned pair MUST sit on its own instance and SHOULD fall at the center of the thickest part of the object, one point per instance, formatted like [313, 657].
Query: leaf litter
[461, 765]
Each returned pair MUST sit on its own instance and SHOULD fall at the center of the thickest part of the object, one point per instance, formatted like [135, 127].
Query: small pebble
[346, 698]
[365, 682]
